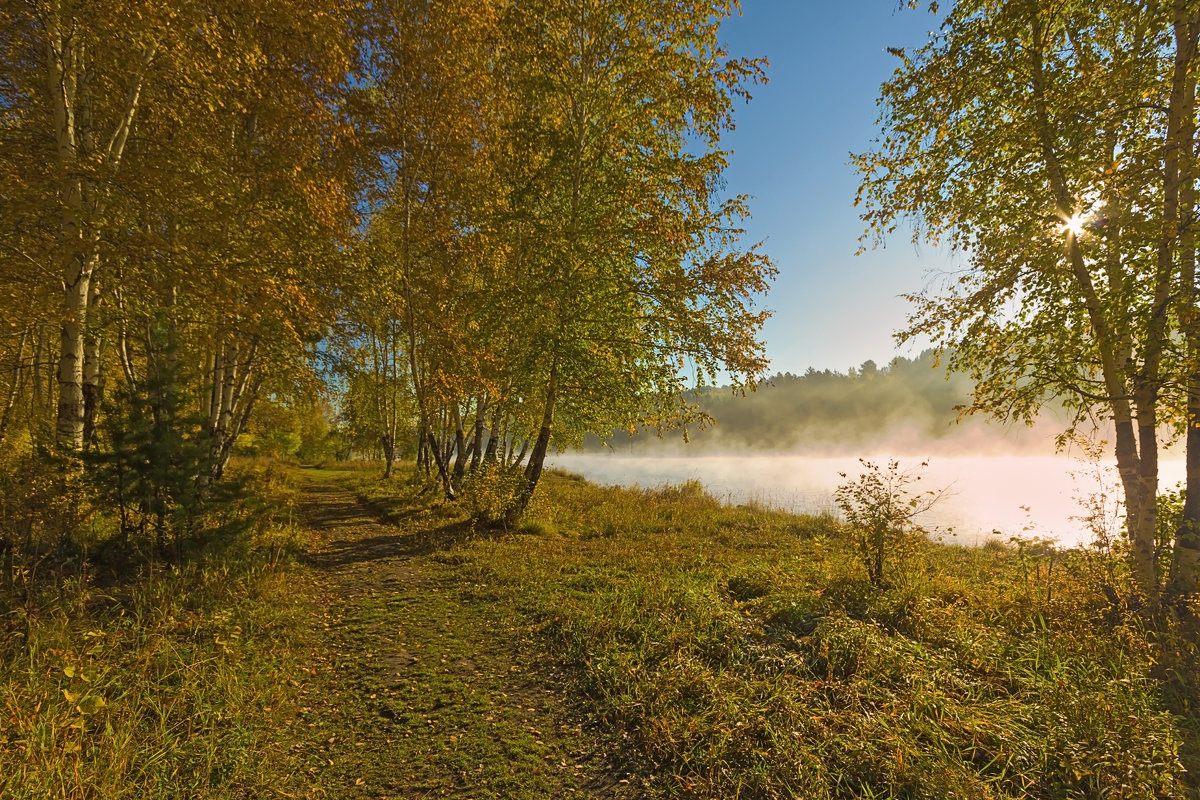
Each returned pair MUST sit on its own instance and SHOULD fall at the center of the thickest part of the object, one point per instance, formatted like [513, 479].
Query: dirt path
[422, 693]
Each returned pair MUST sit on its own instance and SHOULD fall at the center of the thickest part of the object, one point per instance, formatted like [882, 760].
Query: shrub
[879, 508]
[492, 492]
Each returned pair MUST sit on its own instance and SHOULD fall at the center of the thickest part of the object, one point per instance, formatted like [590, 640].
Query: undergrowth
[743, 652]
[163, 681]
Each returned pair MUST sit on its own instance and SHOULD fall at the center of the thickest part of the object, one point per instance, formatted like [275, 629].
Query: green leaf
[90, 704]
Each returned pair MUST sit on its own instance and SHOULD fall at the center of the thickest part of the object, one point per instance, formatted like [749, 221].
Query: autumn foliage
[486, 229]
[548, 254]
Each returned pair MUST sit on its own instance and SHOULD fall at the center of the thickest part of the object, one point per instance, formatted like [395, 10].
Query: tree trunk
[477, 443]
[1138, 470]
[460, 446]
[41, 379]
[494, 437]
[537, 458]
[70, 361]
[221, 414]
[247, 394]
[64, 84]
[422, 453]
[1185, 561]
[231, 400]
[81, 205]
[441, 460]
[93, 388]
[1185, 565]
[14, 388]
[1141, 510]
[389, 454]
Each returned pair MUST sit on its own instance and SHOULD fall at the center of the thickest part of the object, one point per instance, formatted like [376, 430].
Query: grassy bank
[164, 681]
[657, 641]
[741, 652]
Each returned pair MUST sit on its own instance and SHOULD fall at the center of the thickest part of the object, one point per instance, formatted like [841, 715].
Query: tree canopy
[550, 231]
[492, 227]
[1054, 146]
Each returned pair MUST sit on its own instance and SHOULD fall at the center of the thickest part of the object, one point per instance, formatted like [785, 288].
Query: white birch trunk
[229, 382]
[80, 203]
[93, 389]
[63, 84]
[230, 402]
[215, 368]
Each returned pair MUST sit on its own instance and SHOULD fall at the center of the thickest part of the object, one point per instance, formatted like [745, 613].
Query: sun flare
[1075, 225]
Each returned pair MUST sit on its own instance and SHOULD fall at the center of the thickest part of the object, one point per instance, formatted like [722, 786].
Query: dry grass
[163, 684]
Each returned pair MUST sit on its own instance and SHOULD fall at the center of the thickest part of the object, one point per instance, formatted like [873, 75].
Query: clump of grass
[164, 684]
[739, 659]
[566, 475]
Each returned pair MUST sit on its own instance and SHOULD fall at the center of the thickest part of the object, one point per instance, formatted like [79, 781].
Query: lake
[990, 495]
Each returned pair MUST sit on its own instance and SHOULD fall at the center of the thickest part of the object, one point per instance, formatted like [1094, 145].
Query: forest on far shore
[908, 405]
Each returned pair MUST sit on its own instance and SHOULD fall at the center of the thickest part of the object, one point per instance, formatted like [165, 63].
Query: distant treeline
[909, 405]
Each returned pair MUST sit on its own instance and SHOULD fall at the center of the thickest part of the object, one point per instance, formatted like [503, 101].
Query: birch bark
[68, 70]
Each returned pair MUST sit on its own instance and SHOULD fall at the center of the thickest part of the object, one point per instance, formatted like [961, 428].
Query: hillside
[908, 405]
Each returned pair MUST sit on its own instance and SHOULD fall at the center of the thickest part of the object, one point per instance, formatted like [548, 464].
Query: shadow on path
[422, 691]
[342, 518]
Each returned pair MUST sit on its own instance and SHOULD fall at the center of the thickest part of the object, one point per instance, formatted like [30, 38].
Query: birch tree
[369, 356]
[628, 263]
[424, 108]
[83, 75]
[1052, 146]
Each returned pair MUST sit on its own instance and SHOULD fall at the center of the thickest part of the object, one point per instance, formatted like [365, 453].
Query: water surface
[990, 496]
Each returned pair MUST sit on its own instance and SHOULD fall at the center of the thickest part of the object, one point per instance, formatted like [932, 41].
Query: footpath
[423, 691]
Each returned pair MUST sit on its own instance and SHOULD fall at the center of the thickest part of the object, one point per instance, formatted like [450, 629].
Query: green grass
[620, 642]
[419, 696]
[165, 684]
[740, 652]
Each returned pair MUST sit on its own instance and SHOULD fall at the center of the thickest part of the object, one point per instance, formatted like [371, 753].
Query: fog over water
[785, 444]
[987, 491]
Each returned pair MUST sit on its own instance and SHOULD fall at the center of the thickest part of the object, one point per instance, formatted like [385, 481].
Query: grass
[620, 643]
[421, 693]
[418, 697]
[165, 684]
[740, 652]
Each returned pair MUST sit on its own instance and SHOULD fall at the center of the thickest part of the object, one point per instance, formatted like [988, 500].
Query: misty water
[991, 496]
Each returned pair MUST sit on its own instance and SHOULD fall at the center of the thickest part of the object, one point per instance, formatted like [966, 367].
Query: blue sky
[791, 152]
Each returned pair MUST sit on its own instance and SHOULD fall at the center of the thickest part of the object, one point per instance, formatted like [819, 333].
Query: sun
[1075, 225]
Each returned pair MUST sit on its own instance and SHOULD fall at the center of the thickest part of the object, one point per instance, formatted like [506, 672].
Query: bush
[492, 492]
[879, 508]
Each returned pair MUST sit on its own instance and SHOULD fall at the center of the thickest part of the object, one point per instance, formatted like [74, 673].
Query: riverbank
[740, 652]
[372, 642]
[990, 497]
